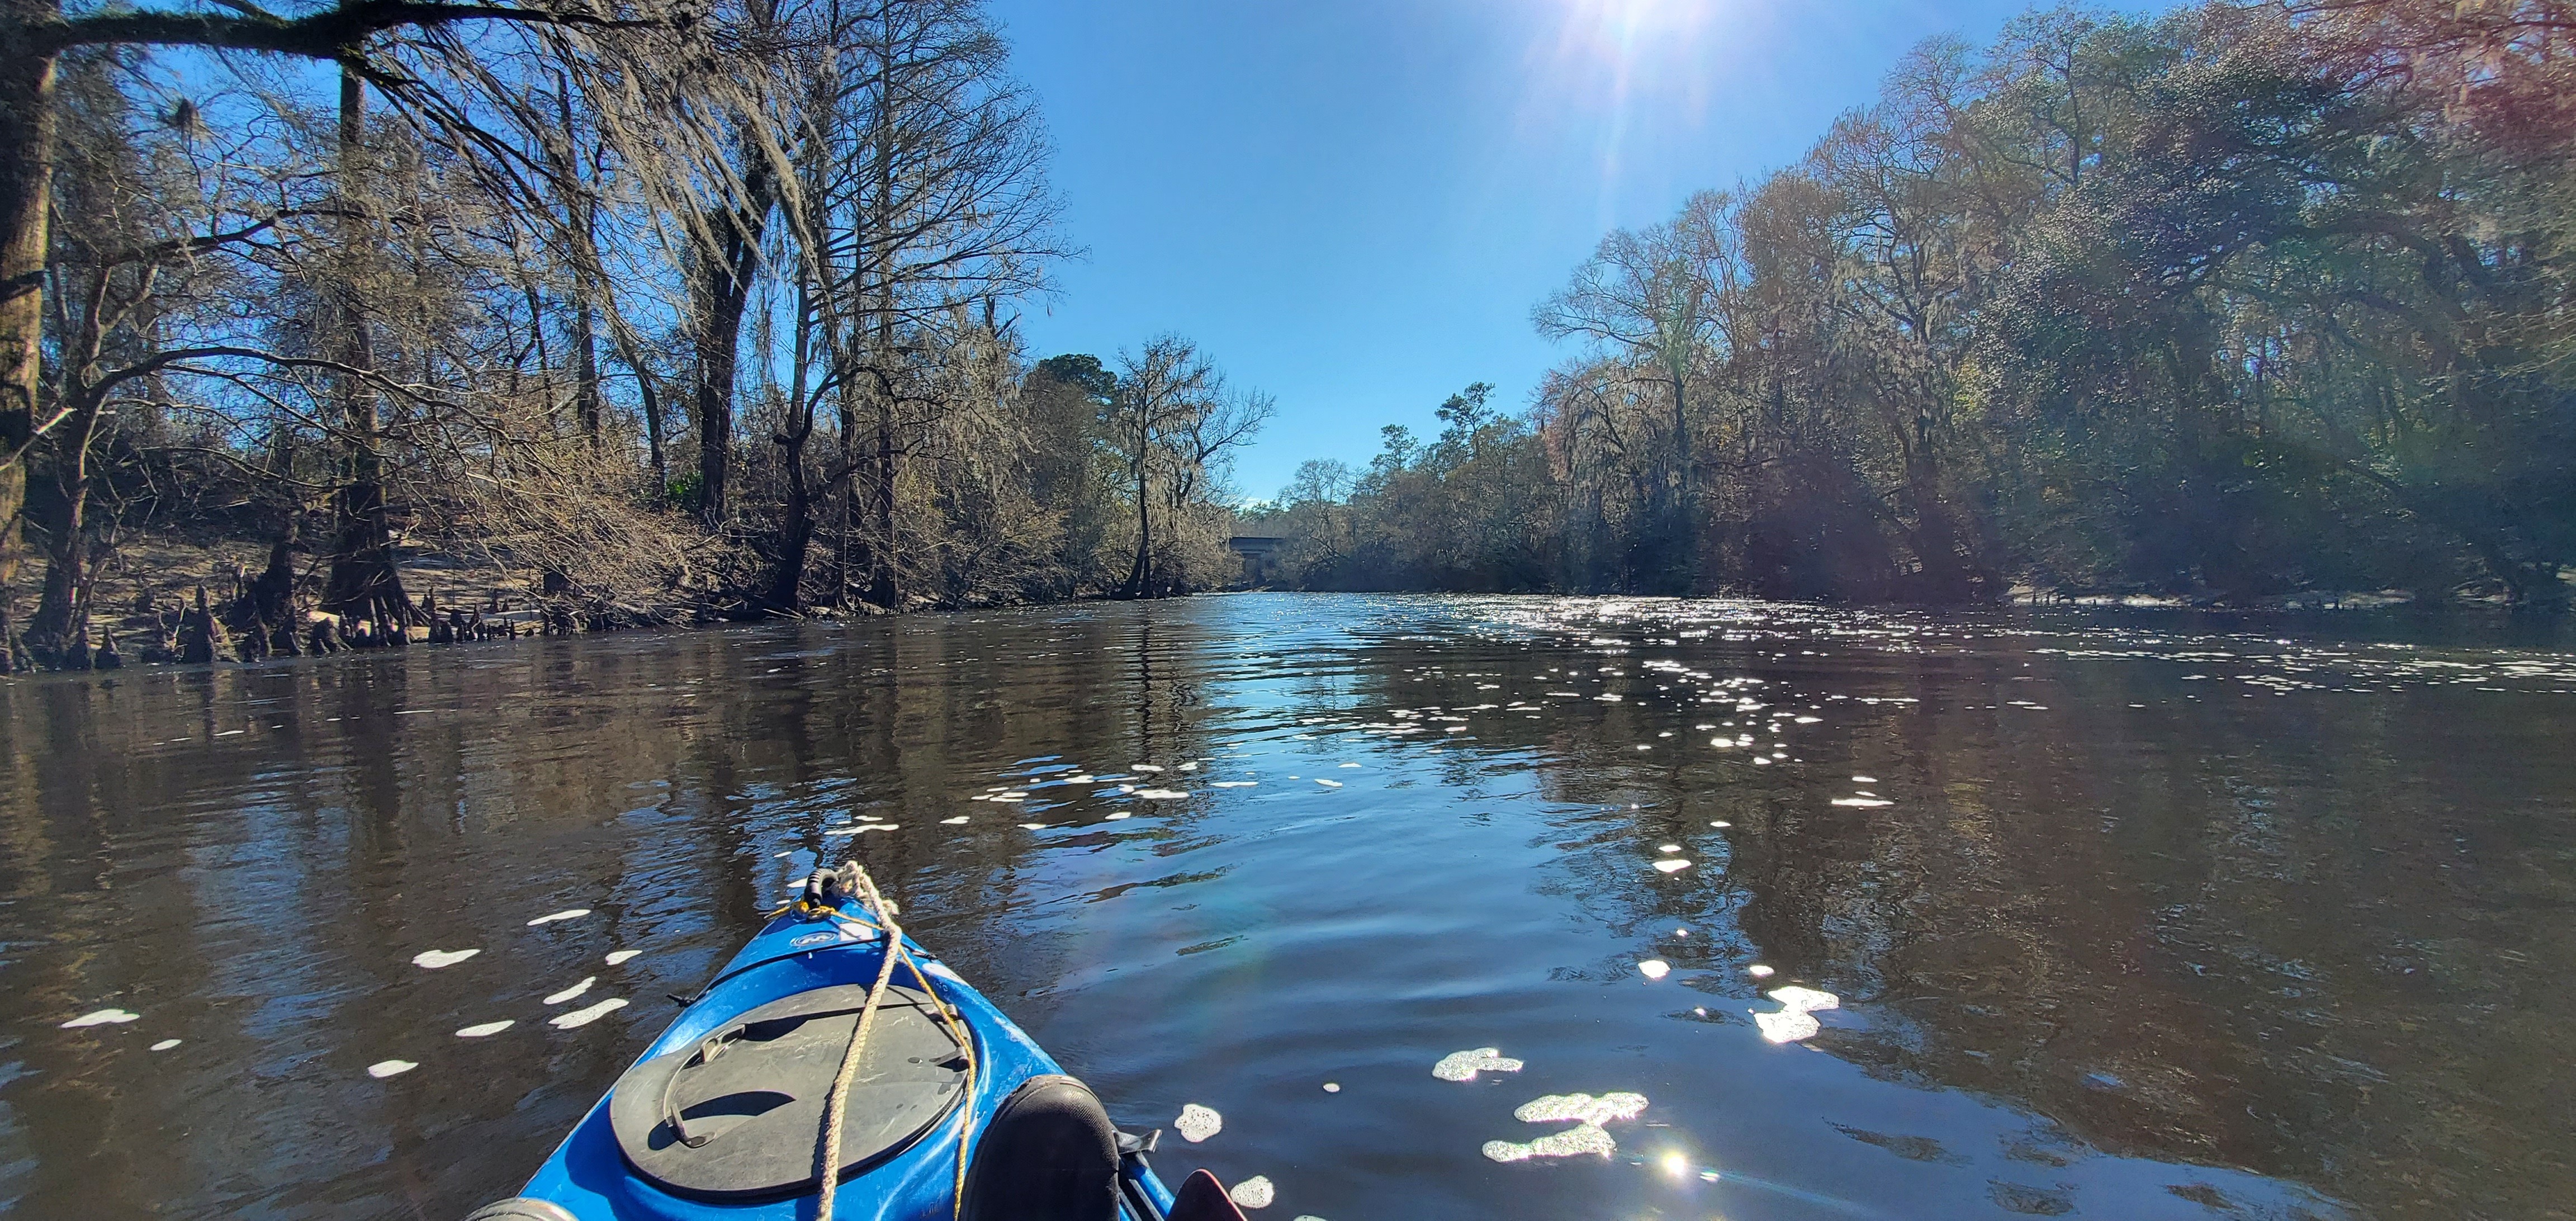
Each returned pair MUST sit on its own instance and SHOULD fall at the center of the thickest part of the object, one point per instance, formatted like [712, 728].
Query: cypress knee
[202, 638]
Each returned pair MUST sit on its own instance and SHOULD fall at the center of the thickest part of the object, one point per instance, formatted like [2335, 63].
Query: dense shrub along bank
[2230, 302]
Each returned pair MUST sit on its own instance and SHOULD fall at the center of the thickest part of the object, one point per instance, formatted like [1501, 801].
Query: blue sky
[1353, 204]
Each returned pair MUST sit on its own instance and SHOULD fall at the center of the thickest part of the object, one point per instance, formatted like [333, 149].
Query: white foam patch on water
[1033, 826]
[574, 991]
[1787, 1027]
[584, 1017]
[165, 1045]
[1464, 1065]
[431, 960]
[1332, 1087]
[616, 957]
[1866, 803]
[1806, 999]
[1191, 766]
[1144, 767]
[1721, 825]
[1654, 968]
[1330, 784]
[1581, 1108]
[1574, 1141]
[486, 1030]
[1864, 780]
[1254, 1192]
[572, 913]
[102, 1017]
[1672, 864]
[1794, 1021]
[382, 1069]
[958, 821]
[1350, 765]
[1668, 848]
[1161, 794]
[1122, 814]
[1233, 784]
[1197, 1123]
[1758, 971]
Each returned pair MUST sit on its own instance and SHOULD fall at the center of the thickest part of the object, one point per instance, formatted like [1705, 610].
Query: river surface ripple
[2132, 916]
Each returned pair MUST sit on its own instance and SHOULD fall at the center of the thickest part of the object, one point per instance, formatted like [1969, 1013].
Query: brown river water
[2119, 914]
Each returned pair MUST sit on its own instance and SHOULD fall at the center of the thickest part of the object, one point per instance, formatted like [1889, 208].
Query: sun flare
[1625, 27]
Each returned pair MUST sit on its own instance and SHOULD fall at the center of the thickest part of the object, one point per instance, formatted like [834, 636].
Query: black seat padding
[1049, 1154]
[1202, 1198]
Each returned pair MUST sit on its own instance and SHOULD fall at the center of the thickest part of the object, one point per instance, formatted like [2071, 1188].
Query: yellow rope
[838, 1102]
[966, 1044]
[836, 1106]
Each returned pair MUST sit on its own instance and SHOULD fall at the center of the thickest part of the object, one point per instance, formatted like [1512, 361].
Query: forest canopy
[2240, 300]
[644, 309]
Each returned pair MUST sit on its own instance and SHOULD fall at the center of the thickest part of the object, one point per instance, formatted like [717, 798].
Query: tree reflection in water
[2126, 916]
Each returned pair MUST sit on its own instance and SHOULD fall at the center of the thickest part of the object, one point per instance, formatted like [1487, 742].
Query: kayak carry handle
[713, 1046]
[709, 1048]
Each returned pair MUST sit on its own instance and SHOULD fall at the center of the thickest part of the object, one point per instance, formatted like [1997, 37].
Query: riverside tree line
[2240, 300]
[670, 307]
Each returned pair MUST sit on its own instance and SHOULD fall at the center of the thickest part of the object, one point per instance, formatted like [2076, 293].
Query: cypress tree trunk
[722, 292]
[882, 586]
[794, 534]
[1142, 570]
[26, 185]
[366, 581]
[585, 344]
[58, 610]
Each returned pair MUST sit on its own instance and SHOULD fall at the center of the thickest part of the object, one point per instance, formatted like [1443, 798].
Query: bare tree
[920, 192]
[1651, 296]
[1159, 386]
[37, 33]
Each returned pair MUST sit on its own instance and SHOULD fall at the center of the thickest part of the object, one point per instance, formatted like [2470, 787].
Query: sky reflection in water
[2118, 915]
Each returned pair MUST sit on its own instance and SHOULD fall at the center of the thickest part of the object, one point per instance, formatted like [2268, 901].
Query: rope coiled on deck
[836, 1104]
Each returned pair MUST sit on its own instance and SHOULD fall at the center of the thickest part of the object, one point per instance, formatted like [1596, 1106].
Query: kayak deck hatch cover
[721, 1119]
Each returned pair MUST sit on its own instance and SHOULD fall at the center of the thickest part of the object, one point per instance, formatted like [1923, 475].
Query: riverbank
[175, 600]
[146, 607]
[167, 599]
